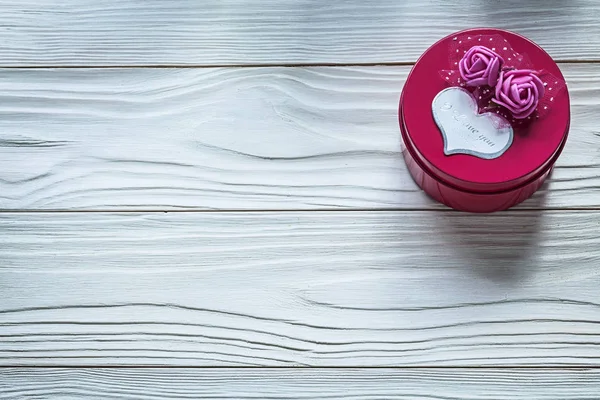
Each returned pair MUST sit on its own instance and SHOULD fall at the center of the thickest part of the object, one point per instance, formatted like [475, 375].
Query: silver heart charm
[486, 135]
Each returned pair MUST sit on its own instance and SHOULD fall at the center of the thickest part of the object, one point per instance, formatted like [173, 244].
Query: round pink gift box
[466, 179]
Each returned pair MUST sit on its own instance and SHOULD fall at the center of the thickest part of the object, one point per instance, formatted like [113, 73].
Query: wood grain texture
[258, 138]
[300, 288]
[241, 32]
[359, 384]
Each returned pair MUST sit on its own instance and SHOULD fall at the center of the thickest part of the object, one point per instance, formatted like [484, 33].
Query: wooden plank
[244, 32]
[259, 138]
[303, 383]
[300, 288]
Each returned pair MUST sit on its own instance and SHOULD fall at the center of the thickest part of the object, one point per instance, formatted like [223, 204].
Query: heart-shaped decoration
[486, 135]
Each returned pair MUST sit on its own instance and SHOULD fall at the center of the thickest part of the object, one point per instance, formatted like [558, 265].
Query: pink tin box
[484, 115]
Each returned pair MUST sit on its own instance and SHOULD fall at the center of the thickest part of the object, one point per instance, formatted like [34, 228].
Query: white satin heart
[486, 135]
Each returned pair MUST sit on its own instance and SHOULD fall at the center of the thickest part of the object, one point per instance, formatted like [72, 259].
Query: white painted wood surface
[300, 288]
[201, 138]
[246, 138]
[409, 289]
[246, 32]
[360, 384]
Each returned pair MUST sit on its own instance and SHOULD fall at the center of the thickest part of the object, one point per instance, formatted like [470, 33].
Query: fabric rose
[519, 90]
[480, 66]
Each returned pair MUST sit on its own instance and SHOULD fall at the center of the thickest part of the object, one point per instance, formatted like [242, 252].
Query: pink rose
[519, 91]
[480, 66]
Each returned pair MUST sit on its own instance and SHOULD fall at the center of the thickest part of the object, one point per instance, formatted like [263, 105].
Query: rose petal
[525, 113]
[535, 91]
[506, 84]
[520, 72]
[514, 93]
[521, 80]
[522, 115]
[500, 102]
[478, 74]
[539, 85]
[462, 69]
[492, 72]
[477, 82]
[527, 109]
[499, 84]
[478, 65]
[531, 109]
[470, 52]
[527, 89]
[509, 103]
[529, 101]
[479, 49]
[484, 50]
[489, 53]
[482, 58]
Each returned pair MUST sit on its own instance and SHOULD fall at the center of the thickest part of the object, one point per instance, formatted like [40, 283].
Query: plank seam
[576, 367]
[258, 211]
[265, 65]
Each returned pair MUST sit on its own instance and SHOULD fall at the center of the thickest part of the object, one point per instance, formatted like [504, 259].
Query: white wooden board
[359, 384]
[236, 138]
[246, 32]
[82, 292]
[300, 288]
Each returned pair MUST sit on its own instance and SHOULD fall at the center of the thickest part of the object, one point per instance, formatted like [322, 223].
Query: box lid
[533, 147]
